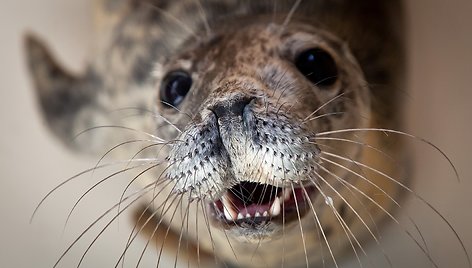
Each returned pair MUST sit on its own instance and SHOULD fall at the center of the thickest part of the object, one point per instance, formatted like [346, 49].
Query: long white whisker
[322, 106]
[301, 227]
[204, 18]
[207, 224]
[154, 213]
[399, 133]
[387, 213]
[318, 223]
[139, 194]
[96, 185]
[176, 20]
[156, 138]
[290, 14]
[41, 202]
[167, 232]
[143, 213]
[342, 222]
[184, 219]
[120, 145]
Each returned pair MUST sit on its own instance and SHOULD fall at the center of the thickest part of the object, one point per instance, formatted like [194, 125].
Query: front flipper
[86, 105]
[61, 95]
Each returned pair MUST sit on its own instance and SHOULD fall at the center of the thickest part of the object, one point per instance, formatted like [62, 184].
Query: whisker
[179, 22]
[77, 176]
[341, 221]
[301, 227]
[101, 232]
[197, 236]
[117, 146]
[399, 133]
[324, 105]
[140, 194]
[95, 186]
[204, 17]
[150, 112]
[290, 14]
[325, 115]
[181, 230]
[364, 178]
[167, 231]
[132, 237]
[157, 164]
[274, 13]
[207, 224]
[144, 212]
[138, 176]
[227, 238]
[155, 228]
[178, 110]
[355, 142]
[187, 232]
[117, 127]
[343, 224]
[317, 220]
[421, 235]
[385, 211]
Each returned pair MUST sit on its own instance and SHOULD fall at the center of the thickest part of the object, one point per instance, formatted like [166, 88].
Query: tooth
[248, 215]
[227, 214]
[275, 208]
[265, 214]
[228, 210]
[240, 216]
[286, 194]
[257, 214]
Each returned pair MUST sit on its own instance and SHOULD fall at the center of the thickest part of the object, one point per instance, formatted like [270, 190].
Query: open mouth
[252, 203]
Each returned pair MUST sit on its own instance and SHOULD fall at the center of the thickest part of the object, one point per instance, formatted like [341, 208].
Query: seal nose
[232, 108]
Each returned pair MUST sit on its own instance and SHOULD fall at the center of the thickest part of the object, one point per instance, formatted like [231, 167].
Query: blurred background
[438, 108]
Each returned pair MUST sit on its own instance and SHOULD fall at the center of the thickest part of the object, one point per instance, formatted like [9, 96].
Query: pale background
[439, 108]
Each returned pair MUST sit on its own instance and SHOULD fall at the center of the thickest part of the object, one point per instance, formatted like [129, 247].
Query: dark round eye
[318, 66]
[174, 87]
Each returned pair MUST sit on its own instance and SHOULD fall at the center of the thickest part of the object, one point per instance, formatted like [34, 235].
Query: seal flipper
[61, 95]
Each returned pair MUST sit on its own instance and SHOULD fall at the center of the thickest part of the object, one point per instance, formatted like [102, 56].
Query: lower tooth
[275, 208]
[229, 213]
[265, 214]
[240, 216]
[286, 194]
[257, 214]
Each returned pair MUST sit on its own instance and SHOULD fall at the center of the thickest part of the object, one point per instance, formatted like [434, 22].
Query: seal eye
[318, 66]
[174, 88]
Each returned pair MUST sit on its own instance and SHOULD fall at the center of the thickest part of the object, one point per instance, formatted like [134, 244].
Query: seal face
[260, 95]
[256, 115]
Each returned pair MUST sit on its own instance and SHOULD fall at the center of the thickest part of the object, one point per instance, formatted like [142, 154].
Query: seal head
[252, 100]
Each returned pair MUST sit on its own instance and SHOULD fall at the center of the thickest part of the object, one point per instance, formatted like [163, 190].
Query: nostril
[232, 108]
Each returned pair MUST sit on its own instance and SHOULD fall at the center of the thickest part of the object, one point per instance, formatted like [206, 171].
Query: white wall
[32, 162]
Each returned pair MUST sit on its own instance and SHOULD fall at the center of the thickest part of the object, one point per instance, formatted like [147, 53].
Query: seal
[264, 126]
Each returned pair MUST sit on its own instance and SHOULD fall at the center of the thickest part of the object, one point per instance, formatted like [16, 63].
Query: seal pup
[266, 119]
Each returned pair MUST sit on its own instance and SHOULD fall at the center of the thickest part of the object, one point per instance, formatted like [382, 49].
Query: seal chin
[254, 206]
